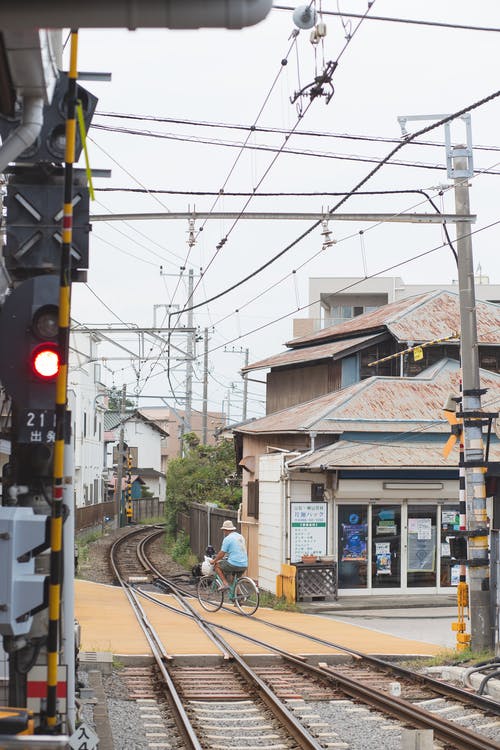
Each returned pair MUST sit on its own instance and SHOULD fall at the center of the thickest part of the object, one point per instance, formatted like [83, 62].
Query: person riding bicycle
[232, 557]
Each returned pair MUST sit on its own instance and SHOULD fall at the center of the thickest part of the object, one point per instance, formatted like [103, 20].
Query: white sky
[221, 76]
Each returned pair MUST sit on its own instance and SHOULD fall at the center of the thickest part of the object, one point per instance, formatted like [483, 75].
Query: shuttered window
[253, 498]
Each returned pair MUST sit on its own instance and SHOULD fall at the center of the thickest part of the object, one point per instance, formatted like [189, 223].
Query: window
[253, 498]
[84, 424]
[357, 311]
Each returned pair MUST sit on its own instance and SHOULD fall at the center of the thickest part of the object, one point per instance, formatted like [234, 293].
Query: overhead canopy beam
[393, 218]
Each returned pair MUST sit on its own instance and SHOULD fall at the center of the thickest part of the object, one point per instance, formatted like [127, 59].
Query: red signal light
[45, 361]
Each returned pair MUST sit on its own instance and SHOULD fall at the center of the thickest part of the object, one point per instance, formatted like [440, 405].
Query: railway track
[316, 701]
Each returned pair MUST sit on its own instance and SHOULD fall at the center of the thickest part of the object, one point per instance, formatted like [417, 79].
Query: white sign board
[84, 738]
[308, 527]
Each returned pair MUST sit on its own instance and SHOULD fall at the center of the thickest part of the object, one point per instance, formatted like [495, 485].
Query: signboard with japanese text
[84, 738]
[37, 426]
[308, 529]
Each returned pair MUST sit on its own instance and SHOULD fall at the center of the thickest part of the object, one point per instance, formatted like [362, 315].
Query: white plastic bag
[206, 567]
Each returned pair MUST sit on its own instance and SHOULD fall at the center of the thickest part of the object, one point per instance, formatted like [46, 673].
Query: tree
[206, 473]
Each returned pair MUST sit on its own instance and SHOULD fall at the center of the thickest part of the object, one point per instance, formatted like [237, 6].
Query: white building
[335, 299]
[86, 401]
[144, 439]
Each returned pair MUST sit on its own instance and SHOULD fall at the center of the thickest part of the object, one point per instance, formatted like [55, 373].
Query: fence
[147, 507]
[93, 515]
[202, 525]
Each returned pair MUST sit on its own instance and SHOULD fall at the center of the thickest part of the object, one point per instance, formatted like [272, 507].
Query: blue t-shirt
[234, 546]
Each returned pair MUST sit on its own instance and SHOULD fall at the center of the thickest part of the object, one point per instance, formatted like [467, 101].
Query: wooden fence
[147, 507]
[92, 516]
[202, 525]
[104, 514]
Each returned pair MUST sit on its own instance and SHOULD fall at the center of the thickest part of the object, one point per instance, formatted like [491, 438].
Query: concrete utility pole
[245, 387]
[204, 423]
[474, 459]
[119, 460]
[189, 355]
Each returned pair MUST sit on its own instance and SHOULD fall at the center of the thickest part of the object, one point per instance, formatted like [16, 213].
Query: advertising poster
[421, 546]
[383, 558]
[353, 542]
[308, 526]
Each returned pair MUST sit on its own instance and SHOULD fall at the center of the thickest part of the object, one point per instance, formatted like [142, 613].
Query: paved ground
[425, 618]
[428, 625]
[107, 625]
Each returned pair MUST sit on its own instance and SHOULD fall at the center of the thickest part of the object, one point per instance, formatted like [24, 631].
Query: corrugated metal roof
[389, 404]
[310, 353]
[350, 454]
[424, 317]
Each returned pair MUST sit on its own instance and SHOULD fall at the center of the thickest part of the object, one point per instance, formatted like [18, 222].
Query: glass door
[450, 522]
[421, 566]
[386, 546]
[352, 546]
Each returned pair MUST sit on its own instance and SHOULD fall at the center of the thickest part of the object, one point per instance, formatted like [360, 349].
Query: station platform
[107, 625]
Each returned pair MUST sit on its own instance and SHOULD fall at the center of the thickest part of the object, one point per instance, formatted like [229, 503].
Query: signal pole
[245, 387]
[204, 422]
[189, 353]
[474, 458]
[119, 461]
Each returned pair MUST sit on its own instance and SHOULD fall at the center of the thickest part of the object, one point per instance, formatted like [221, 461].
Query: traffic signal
[23, 535]
[34, 206]
[51, 142]
[30, 356]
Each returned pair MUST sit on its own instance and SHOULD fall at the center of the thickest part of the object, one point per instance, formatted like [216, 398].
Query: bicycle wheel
[246, 596]
[209, 595]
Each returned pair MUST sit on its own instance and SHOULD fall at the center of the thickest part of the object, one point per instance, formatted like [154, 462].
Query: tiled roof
[387, 454]
[424, 317]
[379, 404]
[311, 353]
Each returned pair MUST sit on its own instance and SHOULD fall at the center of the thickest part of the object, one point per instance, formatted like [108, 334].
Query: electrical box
[23, 535]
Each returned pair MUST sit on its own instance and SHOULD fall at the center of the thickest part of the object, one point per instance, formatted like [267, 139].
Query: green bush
[206, 473]
[179, 550]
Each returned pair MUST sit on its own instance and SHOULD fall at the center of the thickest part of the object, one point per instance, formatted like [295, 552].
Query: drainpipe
[27, 132]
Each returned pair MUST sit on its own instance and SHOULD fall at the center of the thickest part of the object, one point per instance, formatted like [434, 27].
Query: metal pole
[68, 589]
[204, 423]
[245, 388]
[189, 353]
[119, 461]
[481, 629]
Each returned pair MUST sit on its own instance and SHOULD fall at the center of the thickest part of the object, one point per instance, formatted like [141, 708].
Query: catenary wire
[331, 212]
[370, 276]
[301, 114]
[410, 21]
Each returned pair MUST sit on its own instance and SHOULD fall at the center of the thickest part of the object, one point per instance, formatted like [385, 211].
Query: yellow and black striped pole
[129, 488]
[56, 528]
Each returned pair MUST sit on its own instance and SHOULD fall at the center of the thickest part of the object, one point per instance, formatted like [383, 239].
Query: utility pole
[204, 423]
[119, 461]
[474, 459]
[245, 387]
[189, 352]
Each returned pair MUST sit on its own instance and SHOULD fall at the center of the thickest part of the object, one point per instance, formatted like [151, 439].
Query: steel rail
[445, 689]
[295, 729]
[401, 709]
[182, 720]
[300, 734]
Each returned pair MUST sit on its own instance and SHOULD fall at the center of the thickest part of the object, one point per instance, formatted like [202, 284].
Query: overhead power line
[411, 21]
[262, 129]
[339, 203]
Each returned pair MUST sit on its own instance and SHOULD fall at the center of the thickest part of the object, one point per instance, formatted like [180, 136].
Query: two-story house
[359, 441]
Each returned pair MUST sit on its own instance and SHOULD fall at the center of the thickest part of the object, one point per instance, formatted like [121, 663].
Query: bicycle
[242, 592]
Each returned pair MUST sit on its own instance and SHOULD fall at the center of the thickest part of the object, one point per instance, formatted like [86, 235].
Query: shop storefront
[401, 545]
